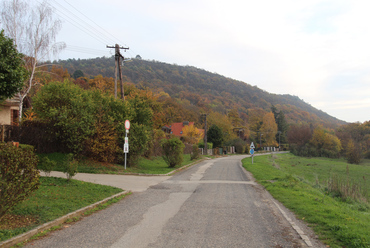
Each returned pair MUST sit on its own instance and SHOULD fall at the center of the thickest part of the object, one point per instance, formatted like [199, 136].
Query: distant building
[177, 128]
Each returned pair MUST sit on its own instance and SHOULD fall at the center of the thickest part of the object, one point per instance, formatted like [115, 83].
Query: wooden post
[2, 133]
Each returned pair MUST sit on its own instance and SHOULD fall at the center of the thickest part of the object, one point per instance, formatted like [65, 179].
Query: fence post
[2, 133]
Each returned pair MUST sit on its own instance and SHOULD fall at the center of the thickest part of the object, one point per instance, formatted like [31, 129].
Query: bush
[173, 150]
[47, 165]
[209, 145]
[19, 175]
[239, 144]
[103, 146]
[195, 153]
[70, 167]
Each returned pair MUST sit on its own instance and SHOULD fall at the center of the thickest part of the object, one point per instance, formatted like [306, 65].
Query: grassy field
[55, 197]
[145, 166]
[331, 196]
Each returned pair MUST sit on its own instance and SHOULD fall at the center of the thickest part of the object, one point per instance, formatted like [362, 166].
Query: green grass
[300, 184]
[56, 197]
[145, 166]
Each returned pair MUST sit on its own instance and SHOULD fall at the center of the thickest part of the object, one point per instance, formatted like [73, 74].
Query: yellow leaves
[269, 129]
[104, 84]
[321, 139]
[29, 115]
[193, 134]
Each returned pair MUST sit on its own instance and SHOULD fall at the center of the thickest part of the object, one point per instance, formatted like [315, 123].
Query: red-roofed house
[177, 128]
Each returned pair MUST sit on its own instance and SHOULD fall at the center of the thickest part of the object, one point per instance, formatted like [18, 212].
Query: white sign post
[251, 151]
[125, 146]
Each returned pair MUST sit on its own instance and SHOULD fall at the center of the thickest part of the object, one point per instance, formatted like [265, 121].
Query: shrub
[47, 165]
[173, 151]
[103, 144]
[195, 153]
[19, 175]
[70, 167]
[353, 153]
[209, 145]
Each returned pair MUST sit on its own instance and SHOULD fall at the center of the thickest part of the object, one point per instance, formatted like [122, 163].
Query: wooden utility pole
[117, 57]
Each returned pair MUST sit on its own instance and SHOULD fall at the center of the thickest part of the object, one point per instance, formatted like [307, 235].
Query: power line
[76, 21]
[92, 29]
[93, 22]
[86, 50]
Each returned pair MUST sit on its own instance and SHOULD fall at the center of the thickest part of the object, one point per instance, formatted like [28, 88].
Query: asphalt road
[213, 204]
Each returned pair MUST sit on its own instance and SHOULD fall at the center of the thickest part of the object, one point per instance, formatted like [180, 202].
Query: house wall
[6, 114]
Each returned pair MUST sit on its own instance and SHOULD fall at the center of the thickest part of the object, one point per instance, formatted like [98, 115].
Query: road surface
[215, 203]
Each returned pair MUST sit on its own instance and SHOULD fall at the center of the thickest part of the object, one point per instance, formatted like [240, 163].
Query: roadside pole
[125, 146]
[251, 151]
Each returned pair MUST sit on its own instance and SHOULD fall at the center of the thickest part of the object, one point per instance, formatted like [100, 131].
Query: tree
[104, 84]
[299, 135]
[353, 153]
[78, 74]
[12, 71]
[269, 129]
[192, 134]
[326, 144]
[215, 135]
[224, 123]
[234, 117]
[281, 124]
[34, 30]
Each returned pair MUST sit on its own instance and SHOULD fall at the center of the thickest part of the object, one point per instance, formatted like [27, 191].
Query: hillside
[202, 89]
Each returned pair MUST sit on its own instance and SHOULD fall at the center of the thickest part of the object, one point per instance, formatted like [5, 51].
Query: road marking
[298, 230]
[150, 228]
[210, 182]
[200, 172]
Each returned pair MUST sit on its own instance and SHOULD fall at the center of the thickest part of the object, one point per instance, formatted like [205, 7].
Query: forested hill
[201, 89]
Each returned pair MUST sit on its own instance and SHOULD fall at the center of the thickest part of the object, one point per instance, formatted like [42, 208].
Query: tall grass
[348, 188]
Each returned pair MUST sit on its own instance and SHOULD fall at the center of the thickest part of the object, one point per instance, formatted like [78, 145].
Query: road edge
[25, 236]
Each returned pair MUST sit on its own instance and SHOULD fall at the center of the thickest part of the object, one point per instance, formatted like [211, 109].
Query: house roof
[176, 128]
[11, 101]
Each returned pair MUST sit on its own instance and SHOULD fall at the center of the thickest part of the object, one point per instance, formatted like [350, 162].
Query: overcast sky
[317, 50]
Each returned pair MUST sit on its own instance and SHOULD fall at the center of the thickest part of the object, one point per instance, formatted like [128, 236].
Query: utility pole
[118, 56]
[205, 134]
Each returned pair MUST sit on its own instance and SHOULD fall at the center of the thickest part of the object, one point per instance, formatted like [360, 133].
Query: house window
[181, 132]
[14, 117]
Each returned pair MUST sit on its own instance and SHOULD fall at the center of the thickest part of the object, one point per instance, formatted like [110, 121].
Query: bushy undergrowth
[195, 153]
[173, 150]
[91, 123]
[19, 176]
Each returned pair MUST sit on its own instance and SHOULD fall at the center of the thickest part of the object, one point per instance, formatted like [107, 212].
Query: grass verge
[145, 166]
[339, 222]
[55, 197]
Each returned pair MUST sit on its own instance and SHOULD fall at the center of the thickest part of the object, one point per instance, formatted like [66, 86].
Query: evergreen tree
[282, 125]
[215, 135]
